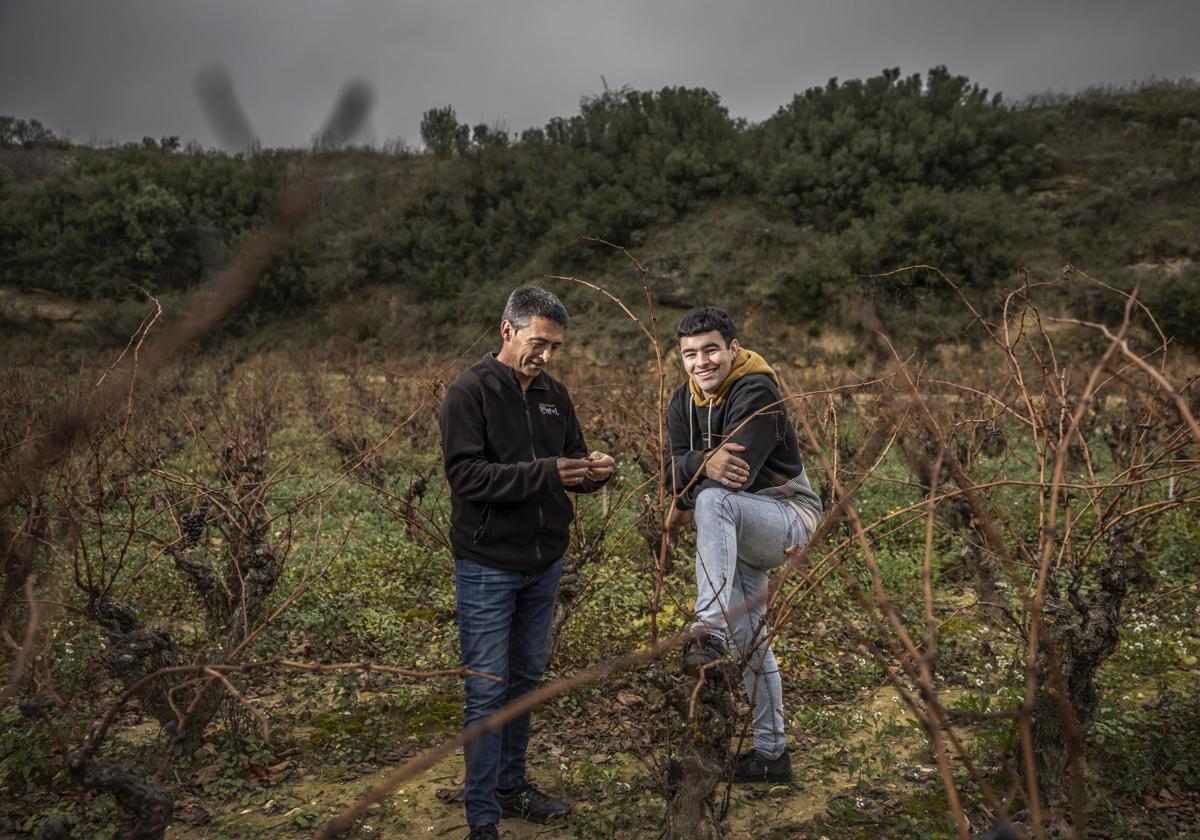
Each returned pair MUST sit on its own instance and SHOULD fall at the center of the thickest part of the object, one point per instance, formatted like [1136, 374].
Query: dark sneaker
[484, 832]
[754, 767]
[700, 652]
[529, 803]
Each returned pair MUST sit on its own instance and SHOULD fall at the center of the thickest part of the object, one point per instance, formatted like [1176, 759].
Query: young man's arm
[469, 473]
[680, 461]
[755, 406]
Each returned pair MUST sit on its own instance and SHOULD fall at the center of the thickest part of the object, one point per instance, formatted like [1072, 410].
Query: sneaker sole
[512, 813]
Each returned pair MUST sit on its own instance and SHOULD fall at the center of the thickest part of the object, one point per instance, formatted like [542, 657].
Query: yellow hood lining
[745, 363]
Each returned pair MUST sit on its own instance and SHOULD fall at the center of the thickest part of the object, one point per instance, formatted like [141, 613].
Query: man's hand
[572, 471]
[678, 520]
[727, 468]
[602, 466]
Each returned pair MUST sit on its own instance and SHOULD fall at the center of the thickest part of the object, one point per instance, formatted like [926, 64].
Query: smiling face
[528, 349]
[707, 359]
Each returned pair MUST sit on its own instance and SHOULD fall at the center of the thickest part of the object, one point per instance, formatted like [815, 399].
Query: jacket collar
[509, 376]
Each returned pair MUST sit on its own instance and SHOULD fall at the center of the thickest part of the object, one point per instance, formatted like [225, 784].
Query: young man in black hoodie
[512, 447]
[735, 469]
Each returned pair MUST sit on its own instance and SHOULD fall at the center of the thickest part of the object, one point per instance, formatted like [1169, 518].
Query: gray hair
[528, 302]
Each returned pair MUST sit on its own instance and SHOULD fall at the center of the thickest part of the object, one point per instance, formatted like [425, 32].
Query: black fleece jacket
[500, 445]
[771, 447]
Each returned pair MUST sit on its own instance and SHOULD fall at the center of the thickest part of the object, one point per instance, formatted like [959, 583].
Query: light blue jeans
[739, 538]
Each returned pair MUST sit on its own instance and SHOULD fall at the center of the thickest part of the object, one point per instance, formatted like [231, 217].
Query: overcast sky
[120, 69]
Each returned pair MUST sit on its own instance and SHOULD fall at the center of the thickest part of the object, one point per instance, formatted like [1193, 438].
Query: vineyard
[228, 602]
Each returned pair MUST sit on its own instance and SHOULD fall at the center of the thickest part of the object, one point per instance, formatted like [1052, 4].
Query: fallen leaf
[192, 813]
[272, 773]
[208, 775]
[449, 795]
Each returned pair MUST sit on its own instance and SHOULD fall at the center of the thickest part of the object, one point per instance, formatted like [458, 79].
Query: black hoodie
[755, 404]
[500, 445]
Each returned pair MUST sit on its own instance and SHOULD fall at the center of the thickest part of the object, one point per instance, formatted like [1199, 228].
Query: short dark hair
[704, 319]
[528, 302]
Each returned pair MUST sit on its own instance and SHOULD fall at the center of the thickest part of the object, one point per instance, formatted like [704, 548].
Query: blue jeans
[739, 538]
[504, 629]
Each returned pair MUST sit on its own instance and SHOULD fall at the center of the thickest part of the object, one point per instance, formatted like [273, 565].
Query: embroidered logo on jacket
[548, 408]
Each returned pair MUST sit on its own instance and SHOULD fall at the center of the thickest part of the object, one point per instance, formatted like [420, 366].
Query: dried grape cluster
[192, 525]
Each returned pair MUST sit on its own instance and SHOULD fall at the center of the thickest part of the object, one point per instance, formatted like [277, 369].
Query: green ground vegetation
[384, 595]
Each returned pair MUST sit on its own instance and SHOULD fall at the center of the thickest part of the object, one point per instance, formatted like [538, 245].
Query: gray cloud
[126, 68]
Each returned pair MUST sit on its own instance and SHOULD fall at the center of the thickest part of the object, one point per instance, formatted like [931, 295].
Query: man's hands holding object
[602, 466]
[596, 466]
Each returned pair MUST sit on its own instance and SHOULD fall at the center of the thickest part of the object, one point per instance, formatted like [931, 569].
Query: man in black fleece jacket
[735, 468]
[512, 447]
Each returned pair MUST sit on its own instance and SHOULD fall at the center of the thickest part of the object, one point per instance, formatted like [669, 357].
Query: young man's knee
[713, 503]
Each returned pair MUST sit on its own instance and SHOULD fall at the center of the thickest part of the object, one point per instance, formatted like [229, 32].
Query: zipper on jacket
[483, 521]
[537, 540]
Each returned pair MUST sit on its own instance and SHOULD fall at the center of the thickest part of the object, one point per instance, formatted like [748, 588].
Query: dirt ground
[417, 810]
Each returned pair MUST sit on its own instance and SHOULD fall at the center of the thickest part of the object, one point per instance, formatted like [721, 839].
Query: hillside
[787, 217]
